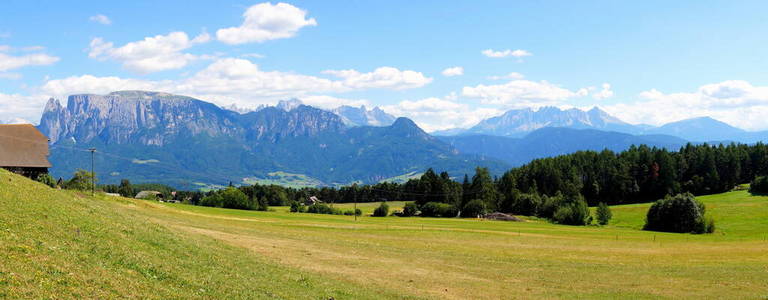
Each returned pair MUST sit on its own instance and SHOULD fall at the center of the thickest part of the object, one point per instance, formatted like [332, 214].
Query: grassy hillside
[61, 244]
[65, 243]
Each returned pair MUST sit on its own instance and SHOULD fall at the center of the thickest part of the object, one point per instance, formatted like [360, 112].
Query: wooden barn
[23, 150]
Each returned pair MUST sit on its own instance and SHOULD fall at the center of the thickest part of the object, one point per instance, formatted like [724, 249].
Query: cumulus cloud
[89, 84]
[512, 75]
[519, 53]
[152, 54]
[266, 21]
[383, 78]
[453, 71]
[434, 114]
[237, 81]
[604, 93]
[101, 19]
[522, 93]
[10, 62]
[735, 102]
[330, 102]
[21, 107]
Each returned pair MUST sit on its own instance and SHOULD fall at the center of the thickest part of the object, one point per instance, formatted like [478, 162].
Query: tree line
[559, 188]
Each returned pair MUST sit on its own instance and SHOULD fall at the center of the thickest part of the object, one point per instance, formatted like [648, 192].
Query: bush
[349, 212]
[681, 213]
[410, 209]
[436, 209]
[473, 209]
[573, 213]
[320, 208]
[603, 213]
[46, 179]
[212, 200]
[80, 181]
[382, 210]
[232, 197]
[759, 185]
[298, 207]
[358, 212]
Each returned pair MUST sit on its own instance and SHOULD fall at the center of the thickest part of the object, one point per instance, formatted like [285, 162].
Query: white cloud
[17, 107]
[512, 75]
[152, 54]
[433, 114]
[89, 84]
[265, 21]
[329, 102]
[101, 19]
[453, 71]
[605, 93]
[253, 55]
[5, 48]
[229, 81]
[521, 93]
[383, 77]
[9, 62]
[735, 102]
[519, 53]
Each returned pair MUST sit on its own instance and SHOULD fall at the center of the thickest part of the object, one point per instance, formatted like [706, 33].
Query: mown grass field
[63, 244]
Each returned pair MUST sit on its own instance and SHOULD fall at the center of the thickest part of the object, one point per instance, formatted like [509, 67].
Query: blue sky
[645, 62]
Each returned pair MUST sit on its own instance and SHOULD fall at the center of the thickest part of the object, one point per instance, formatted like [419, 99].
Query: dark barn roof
[23, 146]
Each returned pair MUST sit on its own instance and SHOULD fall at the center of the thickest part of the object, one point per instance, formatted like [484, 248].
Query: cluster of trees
[558, 188]
[681, 213]
[759, 185]
[322, 208]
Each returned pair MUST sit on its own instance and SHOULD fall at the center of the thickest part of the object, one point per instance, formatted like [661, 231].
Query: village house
[24, 150]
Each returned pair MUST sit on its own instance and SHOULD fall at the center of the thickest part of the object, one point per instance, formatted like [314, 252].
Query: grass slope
[61, 244]
[143, 249]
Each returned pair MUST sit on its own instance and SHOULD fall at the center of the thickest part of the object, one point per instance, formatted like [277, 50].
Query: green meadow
[67, 244]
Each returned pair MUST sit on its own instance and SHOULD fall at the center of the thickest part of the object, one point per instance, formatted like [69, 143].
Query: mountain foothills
[182, 141]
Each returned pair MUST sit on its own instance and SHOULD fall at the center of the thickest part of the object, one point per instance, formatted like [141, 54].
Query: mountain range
[520, 122]
[186, 142]
[189, 143]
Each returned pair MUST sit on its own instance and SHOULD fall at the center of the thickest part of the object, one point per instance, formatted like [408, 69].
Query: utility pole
[93, 173]
[354, 197]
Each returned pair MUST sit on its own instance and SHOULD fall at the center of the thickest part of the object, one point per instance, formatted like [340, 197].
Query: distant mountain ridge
[553, 141]
[520, 122]
[151, 136]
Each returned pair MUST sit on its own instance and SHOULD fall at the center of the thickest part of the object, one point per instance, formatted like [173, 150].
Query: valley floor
[63, 244]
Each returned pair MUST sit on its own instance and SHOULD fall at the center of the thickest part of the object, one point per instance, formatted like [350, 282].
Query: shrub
[436, 209]
[298, 207]
[349, 212]
[603, 213]
[382, 210]
[473, 209]
[358, 212]
[320, 208]
[46, 179]
[573, 213]
[232, 197]
[410, 209]
[759, 185]
[80, 181]
[681, 213]
[212, 200]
